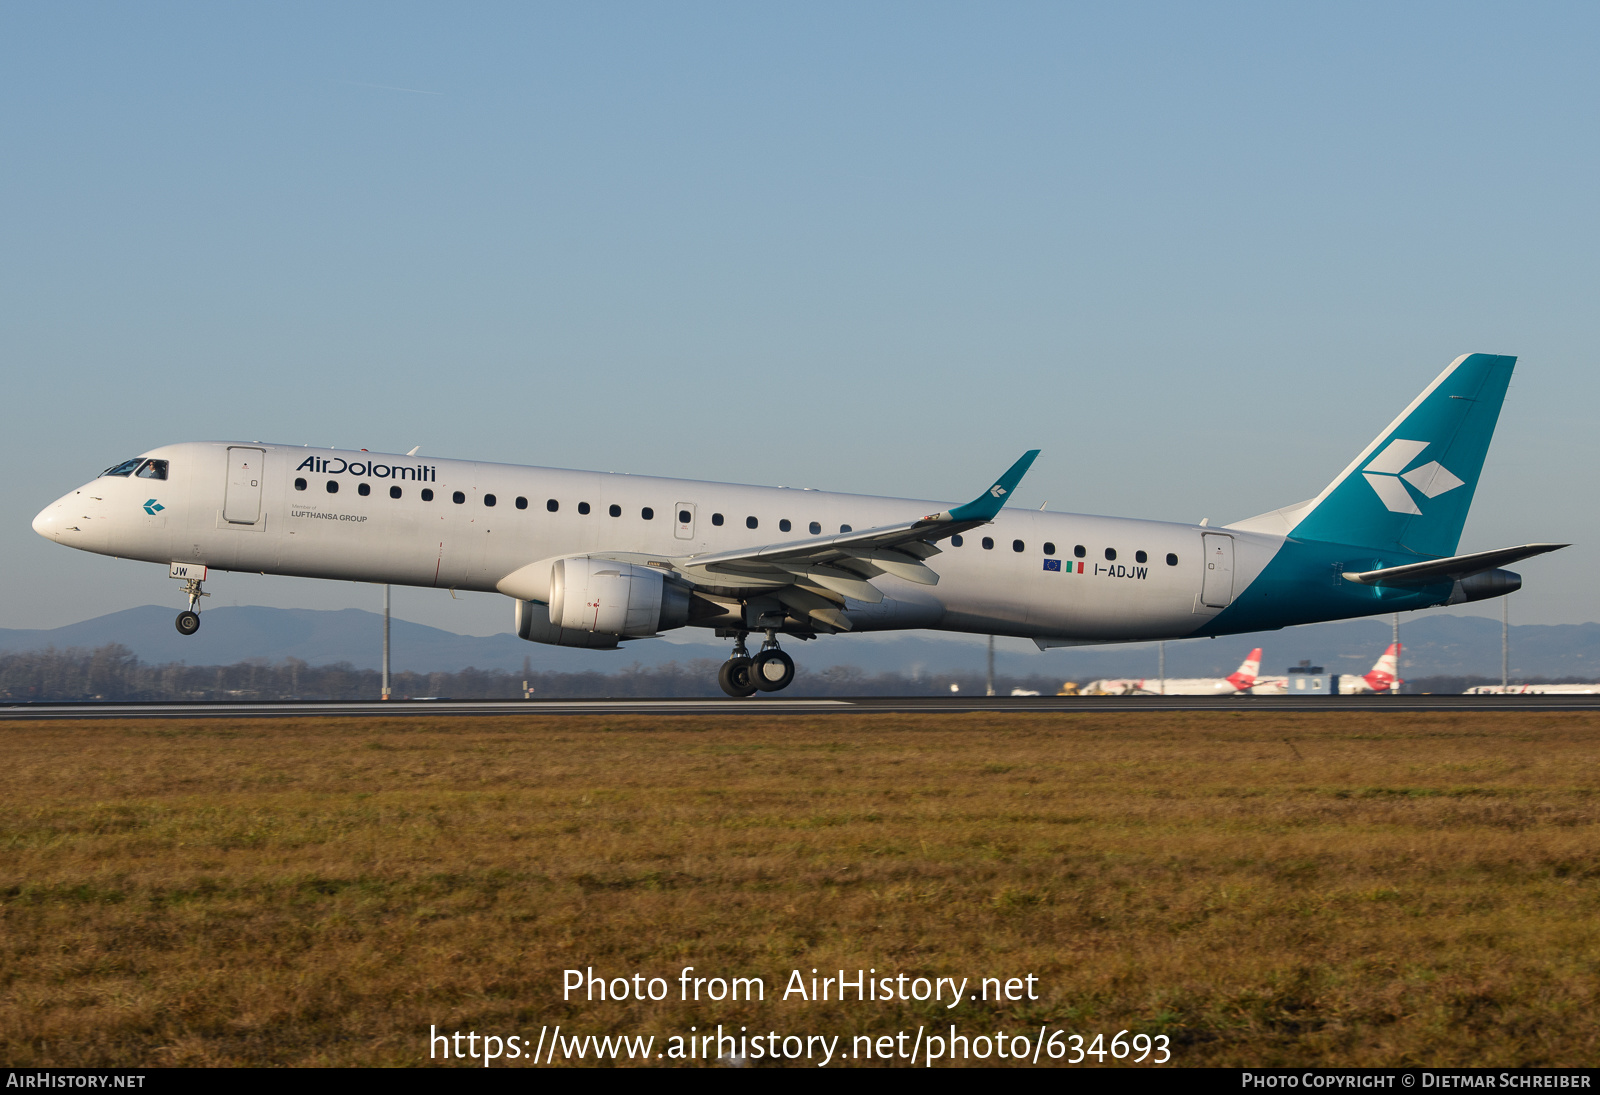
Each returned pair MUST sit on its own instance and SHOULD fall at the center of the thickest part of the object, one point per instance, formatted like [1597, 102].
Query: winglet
[987, 505]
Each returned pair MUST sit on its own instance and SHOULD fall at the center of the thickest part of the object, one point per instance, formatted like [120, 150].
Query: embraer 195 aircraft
[593, 559]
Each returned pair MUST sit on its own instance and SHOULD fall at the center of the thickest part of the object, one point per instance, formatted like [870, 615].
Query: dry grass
[1373, 890]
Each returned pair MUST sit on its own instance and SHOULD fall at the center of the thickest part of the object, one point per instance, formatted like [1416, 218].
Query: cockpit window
[123, 469]
[152, 469]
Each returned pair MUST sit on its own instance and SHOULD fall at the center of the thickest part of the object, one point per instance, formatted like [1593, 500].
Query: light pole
[1395, 688]
[386, 640]
[1505, 642]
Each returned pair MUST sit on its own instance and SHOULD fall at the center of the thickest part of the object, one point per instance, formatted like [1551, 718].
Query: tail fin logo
[1388, 479]
[997, 490]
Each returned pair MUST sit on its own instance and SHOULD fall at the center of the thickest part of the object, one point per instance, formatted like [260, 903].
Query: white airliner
[1534, 690]
[1382, 677]
[1238, 683]
[592, 559]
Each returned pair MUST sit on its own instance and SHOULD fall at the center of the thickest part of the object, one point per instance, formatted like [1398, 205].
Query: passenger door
[241, 504]
[1216, 586]
[683, 513]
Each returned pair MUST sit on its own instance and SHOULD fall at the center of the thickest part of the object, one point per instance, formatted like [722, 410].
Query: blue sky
[1198, 254]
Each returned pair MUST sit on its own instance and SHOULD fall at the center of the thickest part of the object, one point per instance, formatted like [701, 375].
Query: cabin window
[427, 494]
[1018, 545]
[615, 510]
[123, 469]
[299, 484]
[648, 514]
[956, 540]
[1111, 554]
[684, 517]
[458, 498]
[988, 543]
[1049, 548]
[489, 499]
[364, 489]
[751, 522]
[716, 518]
[1140, 557]
[846, 528]
[394, 492]
[1078, 551]
[552, 505]
[1172, 560]
[522, 503]
[784, 525]
[583, 508]
[152, 469]
[816, 528]
[333, 486]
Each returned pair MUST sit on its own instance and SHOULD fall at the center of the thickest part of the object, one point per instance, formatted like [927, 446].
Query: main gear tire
[188, 623]
[736, 679]
[772, 671]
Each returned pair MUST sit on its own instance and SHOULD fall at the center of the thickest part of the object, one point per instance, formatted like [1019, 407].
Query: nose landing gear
[771, 670]
[188, 621]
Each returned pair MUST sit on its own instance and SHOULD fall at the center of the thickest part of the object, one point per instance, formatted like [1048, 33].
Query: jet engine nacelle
[1484, 584]
[533, 624]
[611, 598]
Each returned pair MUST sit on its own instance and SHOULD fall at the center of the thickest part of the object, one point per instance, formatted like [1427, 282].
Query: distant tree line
[112, 672]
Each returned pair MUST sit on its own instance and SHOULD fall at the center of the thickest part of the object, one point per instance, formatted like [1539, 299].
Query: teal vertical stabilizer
[1410, 490]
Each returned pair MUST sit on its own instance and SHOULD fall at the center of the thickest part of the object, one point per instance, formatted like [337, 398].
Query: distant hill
[1435, 645]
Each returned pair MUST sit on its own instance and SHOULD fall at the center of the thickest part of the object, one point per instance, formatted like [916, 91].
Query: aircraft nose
[45, 523]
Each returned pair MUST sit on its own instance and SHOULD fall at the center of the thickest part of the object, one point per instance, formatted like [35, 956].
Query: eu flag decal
[1053, 564]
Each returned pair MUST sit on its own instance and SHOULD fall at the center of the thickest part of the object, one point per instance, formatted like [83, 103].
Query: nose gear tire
[736, 679]
[772, 671]
[188, 623]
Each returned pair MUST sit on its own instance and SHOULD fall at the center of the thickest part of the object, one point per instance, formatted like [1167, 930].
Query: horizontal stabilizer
[1448, 570]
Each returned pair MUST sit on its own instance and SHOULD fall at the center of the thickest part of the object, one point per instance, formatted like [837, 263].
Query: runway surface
[776, 706]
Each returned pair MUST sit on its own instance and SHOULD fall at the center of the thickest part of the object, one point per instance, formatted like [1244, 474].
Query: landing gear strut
[735, 676]
[772, 670]
[769, 671]
[188, 621]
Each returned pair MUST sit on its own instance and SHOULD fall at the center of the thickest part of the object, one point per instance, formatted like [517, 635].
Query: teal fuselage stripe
[1303, 585]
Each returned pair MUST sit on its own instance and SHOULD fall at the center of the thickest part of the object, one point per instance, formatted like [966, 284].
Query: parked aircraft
[594, 560]
[1534, 690]
[1237, 683]
[1381, 678]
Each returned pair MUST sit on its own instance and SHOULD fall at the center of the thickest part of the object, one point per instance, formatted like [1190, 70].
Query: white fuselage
[1172, 686]
[278, 509]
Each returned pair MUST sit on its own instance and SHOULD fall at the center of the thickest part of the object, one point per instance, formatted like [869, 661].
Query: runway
[765, 705]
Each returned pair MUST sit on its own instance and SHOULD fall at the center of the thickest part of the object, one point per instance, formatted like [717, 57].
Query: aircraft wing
[812, 576]
[1454, 568]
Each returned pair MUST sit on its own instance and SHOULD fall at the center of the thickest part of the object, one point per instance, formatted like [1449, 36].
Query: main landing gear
[771, 670]
[188, 621]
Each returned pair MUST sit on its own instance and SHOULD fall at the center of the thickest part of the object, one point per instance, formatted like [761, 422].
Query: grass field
[1264, 889]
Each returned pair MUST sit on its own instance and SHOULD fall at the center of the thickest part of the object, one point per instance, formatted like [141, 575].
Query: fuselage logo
[1390, 481]
[152, 507]
[338, 465]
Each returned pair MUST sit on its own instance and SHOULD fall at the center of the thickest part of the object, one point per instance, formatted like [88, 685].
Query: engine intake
[606, 597]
